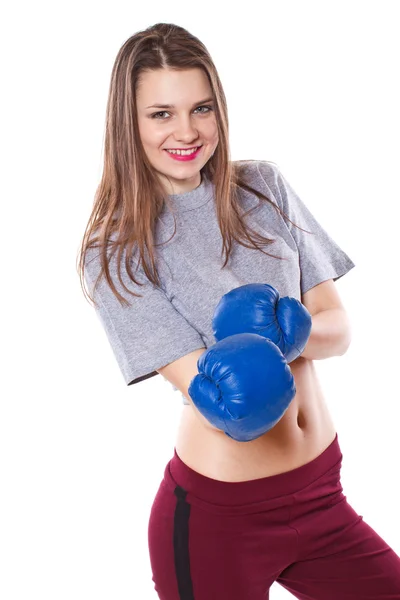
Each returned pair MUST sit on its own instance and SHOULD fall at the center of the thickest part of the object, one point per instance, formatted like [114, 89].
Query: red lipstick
[185, 157]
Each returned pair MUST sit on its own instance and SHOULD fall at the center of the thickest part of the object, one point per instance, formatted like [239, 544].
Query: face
[185, 121]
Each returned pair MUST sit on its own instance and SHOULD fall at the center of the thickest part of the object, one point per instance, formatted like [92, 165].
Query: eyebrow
[173, 106]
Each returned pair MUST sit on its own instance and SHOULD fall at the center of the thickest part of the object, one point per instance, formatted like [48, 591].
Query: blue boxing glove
[257, 308]
[244, 386]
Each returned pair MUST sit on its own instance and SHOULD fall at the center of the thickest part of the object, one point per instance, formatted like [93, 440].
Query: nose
[185, 131]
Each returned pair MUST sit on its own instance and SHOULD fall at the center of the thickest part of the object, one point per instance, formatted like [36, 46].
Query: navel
[301, 422]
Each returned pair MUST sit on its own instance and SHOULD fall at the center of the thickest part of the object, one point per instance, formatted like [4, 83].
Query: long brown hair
[130, 196]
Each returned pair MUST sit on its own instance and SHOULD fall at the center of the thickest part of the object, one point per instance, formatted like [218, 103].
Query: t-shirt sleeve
[320, 257]
[148, 334]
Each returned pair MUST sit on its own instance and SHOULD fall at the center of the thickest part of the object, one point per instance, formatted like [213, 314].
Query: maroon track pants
[216, 540]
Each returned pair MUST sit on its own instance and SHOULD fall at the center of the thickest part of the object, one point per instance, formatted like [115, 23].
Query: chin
[181, 171]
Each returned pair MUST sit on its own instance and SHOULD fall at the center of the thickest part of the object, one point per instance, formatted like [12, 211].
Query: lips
[185, 156]
[191, 148]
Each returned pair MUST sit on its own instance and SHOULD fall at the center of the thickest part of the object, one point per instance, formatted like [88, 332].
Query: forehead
[167, 85]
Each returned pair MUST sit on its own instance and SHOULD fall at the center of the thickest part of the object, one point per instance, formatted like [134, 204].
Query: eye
[154, 116]
[209, 108]
[162, 112]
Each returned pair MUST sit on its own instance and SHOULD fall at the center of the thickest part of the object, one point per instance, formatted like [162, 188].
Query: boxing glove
[257, 308]
[244, 386]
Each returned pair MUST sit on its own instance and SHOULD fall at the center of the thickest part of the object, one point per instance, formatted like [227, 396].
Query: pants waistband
[202, 489]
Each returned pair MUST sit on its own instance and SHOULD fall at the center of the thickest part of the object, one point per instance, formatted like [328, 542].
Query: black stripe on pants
[181, 545]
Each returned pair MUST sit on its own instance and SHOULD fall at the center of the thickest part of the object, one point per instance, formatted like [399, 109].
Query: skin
[185, 124]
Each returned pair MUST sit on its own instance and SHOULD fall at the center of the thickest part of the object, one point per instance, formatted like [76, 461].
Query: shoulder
[257, 171]
[96, 260]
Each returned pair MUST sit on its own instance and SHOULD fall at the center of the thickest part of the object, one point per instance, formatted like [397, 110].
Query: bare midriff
[304, 432]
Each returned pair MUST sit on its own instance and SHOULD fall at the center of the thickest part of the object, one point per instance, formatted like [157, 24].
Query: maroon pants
[216, 540]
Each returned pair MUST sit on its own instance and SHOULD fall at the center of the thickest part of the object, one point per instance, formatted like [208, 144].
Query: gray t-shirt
[165, 324]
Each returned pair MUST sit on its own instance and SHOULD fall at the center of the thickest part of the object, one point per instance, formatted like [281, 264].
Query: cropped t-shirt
[174, 319]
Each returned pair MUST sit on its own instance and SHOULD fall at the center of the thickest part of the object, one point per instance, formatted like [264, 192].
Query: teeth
[182, 152]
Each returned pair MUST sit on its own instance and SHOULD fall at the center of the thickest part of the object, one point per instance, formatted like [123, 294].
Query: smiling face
[185, 121]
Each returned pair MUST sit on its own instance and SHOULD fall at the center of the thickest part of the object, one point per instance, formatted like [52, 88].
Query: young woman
[175, 256]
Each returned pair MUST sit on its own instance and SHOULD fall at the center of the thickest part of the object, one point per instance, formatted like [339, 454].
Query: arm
[180, 373]
[330, 331]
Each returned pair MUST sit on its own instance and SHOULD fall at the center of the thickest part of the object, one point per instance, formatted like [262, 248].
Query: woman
[243, 503]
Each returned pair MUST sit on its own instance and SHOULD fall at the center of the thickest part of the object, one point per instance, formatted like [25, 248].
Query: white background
[311, 86]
